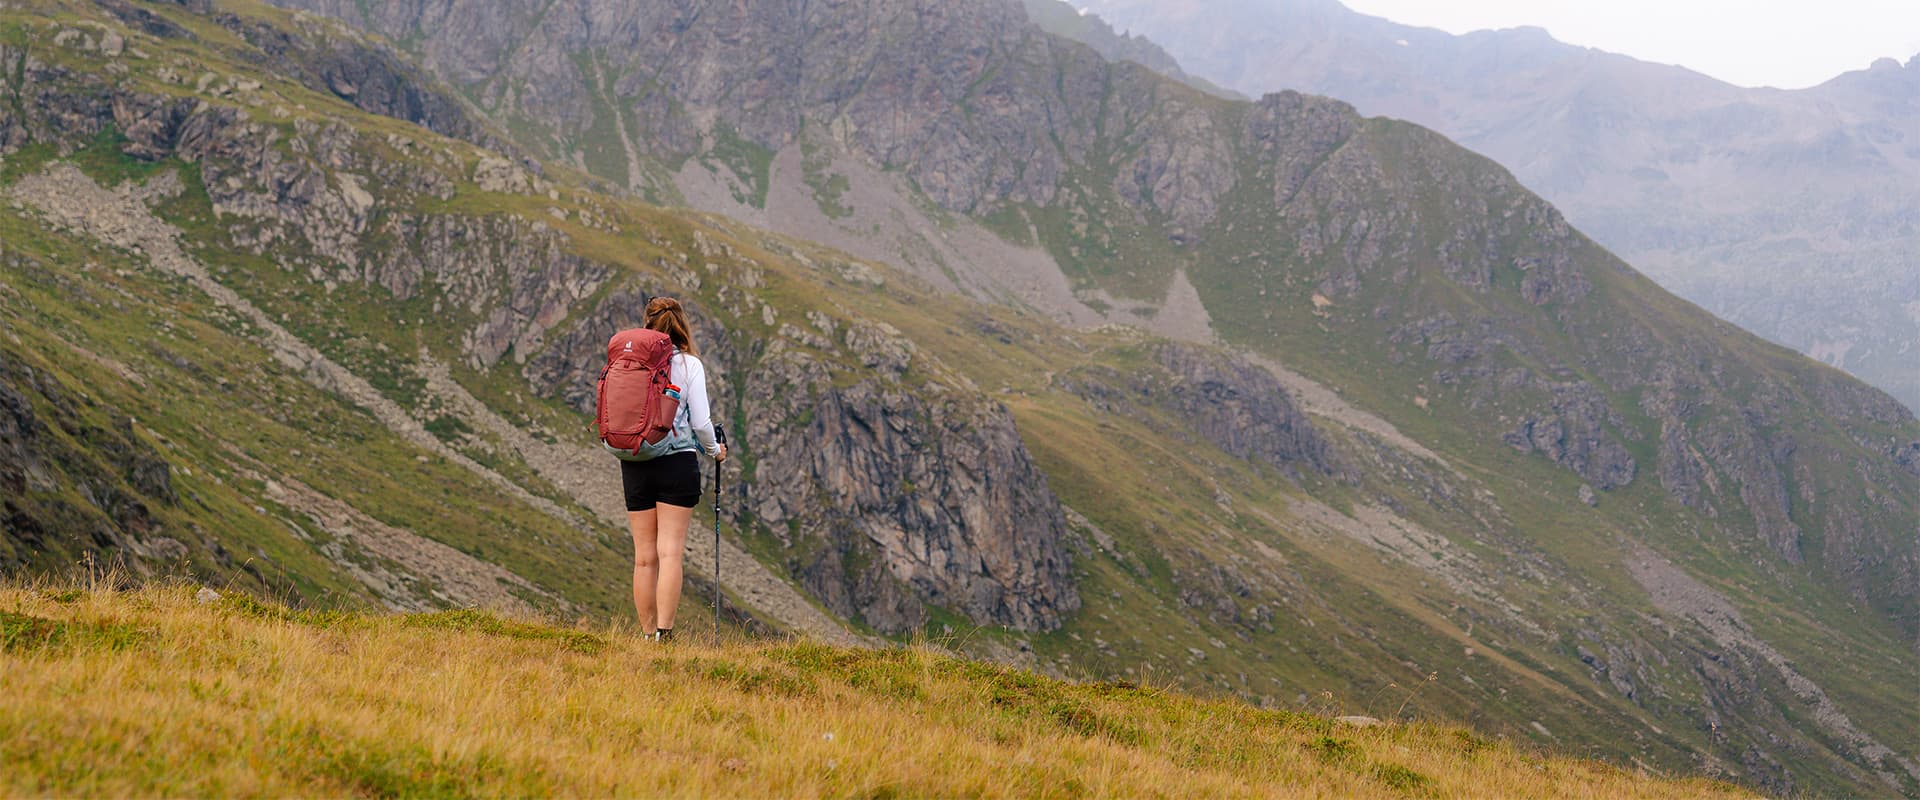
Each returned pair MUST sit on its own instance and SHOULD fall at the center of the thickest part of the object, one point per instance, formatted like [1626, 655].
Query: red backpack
[637, 403]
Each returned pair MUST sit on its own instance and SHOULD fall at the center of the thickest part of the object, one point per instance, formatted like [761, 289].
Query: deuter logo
[629, 347]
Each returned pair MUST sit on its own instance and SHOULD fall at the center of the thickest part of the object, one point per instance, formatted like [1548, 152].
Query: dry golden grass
[151, 693]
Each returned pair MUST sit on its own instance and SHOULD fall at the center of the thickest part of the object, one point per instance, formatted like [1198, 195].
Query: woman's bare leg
[646, 565]
[672, 525]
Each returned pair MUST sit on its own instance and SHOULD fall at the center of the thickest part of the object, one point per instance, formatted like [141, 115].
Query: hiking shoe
[664, 635]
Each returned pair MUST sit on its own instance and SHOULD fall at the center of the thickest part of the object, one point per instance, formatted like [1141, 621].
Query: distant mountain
[1060, 18]
[1795, 214]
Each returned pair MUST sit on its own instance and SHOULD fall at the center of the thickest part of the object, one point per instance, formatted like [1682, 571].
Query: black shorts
[673, 480]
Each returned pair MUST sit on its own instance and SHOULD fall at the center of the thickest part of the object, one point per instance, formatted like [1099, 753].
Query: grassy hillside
[156, 693]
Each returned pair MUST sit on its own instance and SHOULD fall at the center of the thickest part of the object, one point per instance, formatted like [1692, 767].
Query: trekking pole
[719, 435]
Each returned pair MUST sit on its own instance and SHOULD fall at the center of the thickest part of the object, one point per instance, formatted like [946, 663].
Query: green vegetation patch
[888, 673]
[471, 620]
[829, 188]
[749, 679]
[25, 161]
[392, 769]
[829, 191]
[749, 162]
[246, 606]
[448, 428]
[105, 160]
[24, 632]
[1026, 695]
[1402, 779]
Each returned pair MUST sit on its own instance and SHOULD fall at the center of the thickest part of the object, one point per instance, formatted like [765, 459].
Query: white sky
[1785, 43]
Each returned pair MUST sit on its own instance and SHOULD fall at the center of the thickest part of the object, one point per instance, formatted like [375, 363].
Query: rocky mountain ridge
[1786, 212]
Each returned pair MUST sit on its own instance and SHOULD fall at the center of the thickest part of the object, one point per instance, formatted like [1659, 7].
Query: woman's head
[665, 315]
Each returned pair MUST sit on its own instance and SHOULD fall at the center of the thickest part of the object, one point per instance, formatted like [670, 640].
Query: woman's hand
[722, 456]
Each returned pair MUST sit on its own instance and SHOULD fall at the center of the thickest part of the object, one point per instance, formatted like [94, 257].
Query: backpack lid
[648, 346]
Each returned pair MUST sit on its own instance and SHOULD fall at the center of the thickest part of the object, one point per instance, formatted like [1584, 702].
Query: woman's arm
[693, 396]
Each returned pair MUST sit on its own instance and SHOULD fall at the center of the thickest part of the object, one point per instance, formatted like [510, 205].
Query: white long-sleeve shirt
[695, 420]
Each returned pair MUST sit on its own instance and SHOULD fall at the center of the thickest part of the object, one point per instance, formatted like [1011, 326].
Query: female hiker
[661, 492]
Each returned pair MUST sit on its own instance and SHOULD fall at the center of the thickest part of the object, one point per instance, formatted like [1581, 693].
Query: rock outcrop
[931, 488]
[363, 73]
[1226, 400]
[1908, 457]
[1575, 435]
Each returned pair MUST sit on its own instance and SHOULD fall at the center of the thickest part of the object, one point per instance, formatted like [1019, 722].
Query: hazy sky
[1785, 43]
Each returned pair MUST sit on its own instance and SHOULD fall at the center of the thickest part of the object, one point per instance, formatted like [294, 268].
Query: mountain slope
[1375, 480]
[1786, 212]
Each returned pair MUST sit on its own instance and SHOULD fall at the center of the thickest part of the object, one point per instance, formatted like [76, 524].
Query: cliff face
[934, 487]
[1061, 19]
[917, 86]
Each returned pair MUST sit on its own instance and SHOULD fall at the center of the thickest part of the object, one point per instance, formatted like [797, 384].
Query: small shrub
[1402, 779]
[447, 428]
[1470, 743]
[1333, 750]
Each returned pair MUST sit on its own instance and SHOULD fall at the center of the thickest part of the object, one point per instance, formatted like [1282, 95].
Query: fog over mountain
[1792, 213]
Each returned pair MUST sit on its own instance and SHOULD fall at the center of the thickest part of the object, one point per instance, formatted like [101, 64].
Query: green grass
[750, 163]
[105, 161]
[829, 188]
[25, 633]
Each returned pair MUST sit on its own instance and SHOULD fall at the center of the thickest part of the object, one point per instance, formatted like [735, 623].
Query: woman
[662, 492]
